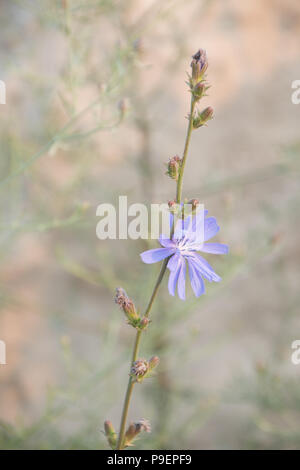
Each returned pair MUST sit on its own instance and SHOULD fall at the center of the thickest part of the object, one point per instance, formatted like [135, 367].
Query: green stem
[185, 152]
[120, 444]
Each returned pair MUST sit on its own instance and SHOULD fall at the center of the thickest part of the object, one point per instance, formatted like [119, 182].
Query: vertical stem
[185, 152]
[134, 357]
[120, 444]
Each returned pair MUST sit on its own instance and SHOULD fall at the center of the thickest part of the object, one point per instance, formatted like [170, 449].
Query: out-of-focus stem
[120, 444]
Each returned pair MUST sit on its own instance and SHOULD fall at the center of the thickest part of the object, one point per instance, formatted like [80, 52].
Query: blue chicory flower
[182, 248]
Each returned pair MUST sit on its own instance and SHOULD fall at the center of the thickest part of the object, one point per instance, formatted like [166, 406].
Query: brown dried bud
[127, 305]
[110, 434]
[174, 165]
[142, 369]
[144, 425]
[139, 368]
[199, 65]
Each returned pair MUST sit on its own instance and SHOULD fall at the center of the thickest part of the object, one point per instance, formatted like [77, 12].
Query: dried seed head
[144, 425]
[139, 368]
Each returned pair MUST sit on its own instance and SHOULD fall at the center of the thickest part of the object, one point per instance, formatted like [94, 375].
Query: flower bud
[144, 323]
[153, 362]
[110, 434]
[174, 165]
[194, 203]
[199, 90]
[130, 435]
[127, 306]
[134, 429]
[203, 117]
[199, 65]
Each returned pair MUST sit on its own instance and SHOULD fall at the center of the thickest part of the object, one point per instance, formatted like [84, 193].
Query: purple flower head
[200, 58]
[182, 248]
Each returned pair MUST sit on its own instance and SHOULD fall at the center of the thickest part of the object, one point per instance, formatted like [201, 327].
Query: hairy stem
[120, 444]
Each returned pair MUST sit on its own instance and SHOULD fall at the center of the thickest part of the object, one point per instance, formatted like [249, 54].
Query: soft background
[226, 379]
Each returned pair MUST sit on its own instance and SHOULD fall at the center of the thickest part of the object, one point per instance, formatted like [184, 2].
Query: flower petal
[198, 222]
[174, 265]
[181, 280]
[153, 256]
[173, 262]
[179, 230]
[204, 268]
[211, 228]
[171, 220]
[196, 279]
[215, 248]
[166, 242]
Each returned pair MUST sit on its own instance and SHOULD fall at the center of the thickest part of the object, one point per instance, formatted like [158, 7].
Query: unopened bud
[153, 362]
[130, 435]
[144, 323]
[203, 117]
[199, 90]
[194, 203]
[134, 429]
[174, 165]
[173, 206]
[127, 305]
[199, 65]
[110, 434]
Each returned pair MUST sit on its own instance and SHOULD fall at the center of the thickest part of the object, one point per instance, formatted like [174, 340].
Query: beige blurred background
[226, 379]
